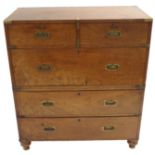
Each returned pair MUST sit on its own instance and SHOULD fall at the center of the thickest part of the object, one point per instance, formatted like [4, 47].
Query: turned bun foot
[25, 144]
[132, 143]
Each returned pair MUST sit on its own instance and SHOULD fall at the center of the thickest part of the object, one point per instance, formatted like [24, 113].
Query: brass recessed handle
[108, 128]
[44, 67]
[112, 67]
[49, 129]
[110, 102]
[47, 103]
[41, 35]
[114, 34]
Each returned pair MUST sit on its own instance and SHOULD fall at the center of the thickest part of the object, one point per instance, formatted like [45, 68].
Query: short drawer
[34, 35]
[113, 34]
[104, 67]
[78, 103]
[79, 128]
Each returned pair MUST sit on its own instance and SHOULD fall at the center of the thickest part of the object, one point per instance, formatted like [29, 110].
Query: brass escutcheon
[42, 35]
[114, 34]
[47, 103]
[49, 129]
[112, 67]
[44, 67]
[110, 102]
[108, 128]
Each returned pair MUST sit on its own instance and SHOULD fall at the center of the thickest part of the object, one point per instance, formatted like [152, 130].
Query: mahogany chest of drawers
[78, 73]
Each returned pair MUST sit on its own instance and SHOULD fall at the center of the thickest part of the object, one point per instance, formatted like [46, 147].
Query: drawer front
[78, 128]
[108, 66]
[113, 34]
[81, 103]
[42, 35]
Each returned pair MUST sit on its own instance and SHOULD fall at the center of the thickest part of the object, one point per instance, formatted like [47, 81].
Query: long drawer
[79, 128]
[107, 66]
[79, 103]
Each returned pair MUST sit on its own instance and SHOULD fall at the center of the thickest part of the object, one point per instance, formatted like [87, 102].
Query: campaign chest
[78, 73]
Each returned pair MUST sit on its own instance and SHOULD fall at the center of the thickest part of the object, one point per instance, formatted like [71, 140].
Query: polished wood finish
[62, 72]
[92, 34]
[79, 128]
[42, 35]
[78, 103]
[82, 13]
[96, 34]
[78, 73]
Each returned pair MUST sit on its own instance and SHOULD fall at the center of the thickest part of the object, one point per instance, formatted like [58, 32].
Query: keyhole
[79, 120]
[114, 26]
[78, 93]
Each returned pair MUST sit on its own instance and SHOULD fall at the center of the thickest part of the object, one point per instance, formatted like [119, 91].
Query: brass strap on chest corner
[140, 86]
[7, 21]
[15, 88]
[77, 34]
[12, 47]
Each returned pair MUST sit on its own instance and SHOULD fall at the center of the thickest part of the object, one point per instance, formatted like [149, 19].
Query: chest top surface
[78, 13]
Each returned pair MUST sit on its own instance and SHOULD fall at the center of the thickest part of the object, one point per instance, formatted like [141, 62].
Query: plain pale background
[9, 144]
